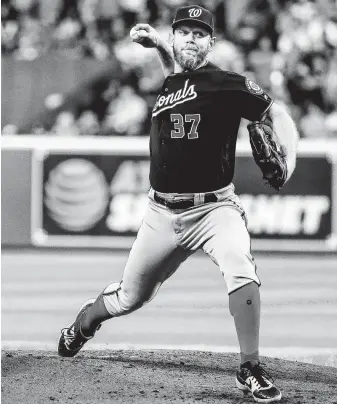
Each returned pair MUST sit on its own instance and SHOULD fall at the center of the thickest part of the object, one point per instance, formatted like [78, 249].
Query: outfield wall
[92, 192]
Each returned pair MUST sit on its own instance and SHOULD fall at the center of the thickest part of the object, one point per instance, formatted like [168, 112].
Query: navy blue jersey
[195, 123]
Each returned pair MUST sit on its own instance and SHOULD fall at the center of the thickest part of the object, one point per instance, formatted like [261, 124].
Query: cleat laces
[260, 378]
[69, 337]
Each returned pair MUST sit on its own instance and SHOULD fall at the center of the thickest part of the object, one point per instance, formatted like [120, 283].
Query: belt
[185, 204]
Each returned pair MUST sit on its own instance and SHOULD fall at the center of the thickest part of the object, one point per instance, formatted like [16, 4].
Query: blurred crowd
[287, 46]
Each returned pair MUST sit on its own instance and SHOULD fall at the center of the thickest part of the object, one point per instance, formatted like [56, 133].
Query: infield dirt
[158, 376]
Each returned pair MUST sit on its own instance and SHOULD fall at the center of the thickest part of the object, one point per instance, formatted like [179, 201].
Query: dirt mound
[151, 377]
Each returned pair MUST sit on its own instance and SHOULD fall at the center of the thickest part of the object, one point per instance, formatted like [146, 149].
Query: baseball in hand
[142, 37]
[137, 35]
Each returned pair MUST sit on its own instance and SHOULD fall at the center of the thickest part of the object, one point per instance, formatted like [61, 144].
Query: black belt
[185, 204]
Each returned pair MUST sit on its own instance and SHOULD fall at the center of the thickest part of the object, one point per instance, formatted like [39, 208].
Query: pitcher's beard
[189, 62]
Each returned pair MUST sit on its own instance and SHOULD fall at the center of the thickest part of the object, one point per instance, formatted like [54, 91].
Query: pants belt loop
[199, 199]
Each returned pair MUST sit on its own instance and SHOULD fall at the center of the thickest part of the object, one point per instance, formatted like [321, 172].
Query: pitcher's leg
[153, 258]
[244, 306]
[229, 247]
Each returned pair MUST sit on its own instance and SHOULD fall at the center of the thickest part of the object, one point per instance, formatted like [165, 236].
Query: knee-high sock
[244, 306]
[93, 316]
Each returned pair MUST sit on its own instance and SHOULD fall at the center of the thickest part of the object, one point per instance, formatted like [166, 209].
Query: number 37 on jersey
[179, 121]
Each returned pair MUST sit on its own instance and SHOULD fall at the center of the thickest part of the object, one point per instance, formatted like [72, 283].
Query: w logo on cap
[194, 12]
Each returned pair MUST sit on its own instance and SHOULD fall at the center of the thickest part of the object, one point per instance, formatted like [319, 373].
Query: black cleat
[71, 339]
[255, 379]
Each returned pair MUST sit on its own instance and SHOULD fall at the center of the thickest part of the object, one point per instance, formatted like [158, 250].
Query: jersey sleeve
[248, 99]
[252, 100]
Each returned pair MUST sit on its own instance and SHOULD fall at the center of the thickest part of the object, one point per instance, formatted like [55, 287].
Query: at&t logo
[195, 12]
[76, 194]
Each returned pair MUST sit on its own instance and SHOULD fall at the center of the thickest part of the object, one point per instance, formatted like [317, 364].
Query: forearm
[286, 133]
[165, 54]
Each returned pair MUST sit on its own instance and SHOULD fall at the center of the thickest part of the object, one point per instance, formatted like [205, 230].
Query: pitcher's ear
[211, 44]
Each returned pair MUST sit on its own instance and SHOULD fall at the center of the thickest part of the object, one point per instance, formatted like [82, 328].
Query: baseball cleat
[255, 379]
[71, 339]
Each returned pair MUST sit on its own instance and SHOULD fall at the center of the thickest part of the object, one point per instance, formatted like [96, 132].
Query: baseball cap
[194, 13]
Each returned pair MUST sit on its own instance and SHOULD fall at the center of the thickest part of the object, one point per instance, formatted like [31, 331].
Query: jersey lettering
[179, 129]
[171, 100]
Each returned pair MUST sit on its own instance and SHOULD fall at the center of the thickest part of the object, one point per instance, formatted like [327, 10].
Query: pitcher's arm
[148, 37]
[165, 54]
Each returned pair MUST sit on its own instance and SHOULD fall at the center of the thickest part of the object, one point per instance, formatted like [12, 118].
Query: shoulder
[224, 73]
[218, 75]
[240, 82]
[212, 66]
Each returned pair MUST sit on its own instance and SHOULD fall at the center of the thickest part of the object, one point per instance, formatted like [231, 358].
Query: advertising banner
[88, 199]
[300, 215]
[97, 199]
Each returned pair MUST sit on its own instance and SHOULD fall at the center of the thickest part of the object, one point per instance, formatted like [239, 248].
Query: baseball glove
[268, 154]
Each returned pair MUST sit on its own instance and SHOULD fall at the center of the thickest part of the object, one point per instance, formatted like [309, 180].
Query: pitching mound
[98, 377]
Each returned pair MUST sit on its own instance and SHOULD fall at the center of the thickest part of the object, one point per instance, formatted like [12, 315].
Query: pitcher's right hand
[145, 35]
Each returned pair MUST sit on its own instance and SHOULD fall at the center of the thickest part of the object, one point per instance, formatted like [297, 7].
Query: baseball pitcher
[192, 204]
